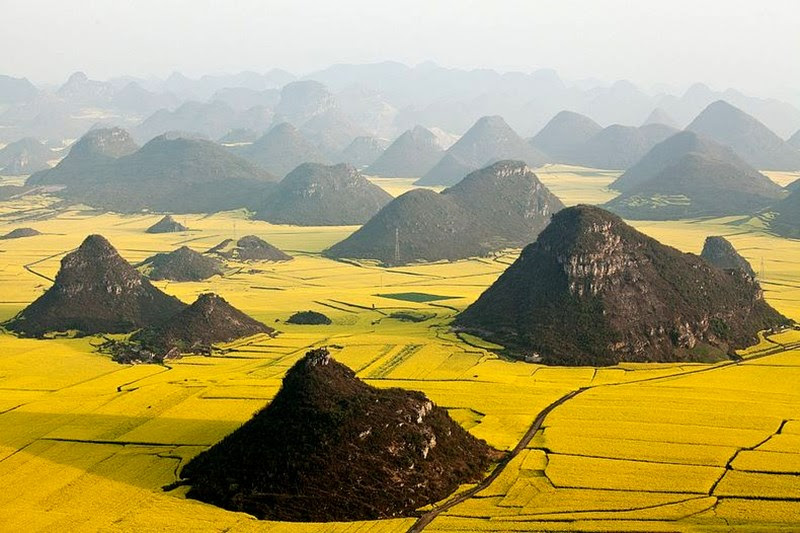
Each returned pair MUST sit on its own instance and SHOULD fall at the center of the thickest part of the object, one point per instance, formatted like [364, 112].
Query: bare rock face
[720, 252]
[330, 447]
[594, 291]
[95, 291]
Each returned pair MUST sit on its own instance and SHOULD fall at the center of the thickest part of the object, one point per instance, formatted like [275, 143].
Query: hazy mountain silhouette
[320, 195]
[281, 150]
[89, 158]
[25, 156]
[619, 147]
[175, 175]
[489, 140]
[563, 134]
[363, 151]
[659, 116]
[749, 138]
[411, 155]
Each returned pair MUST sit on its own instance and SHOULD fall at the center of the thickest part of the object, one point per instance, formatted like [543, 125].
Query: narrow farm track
[426, 518]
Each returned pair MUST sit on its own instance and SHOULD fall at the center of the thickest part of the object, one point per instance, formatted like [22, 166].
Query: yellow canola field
[87, 444]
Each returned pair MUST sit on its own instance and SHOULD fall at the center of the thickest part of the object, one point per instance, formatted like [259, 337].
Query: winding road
[424, 520]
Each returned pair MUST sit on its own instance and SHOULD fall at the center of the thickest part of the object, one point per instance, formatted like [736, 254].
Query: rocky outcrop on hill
[594, 291]
[95, 291]
[329, 447]
[720, 252]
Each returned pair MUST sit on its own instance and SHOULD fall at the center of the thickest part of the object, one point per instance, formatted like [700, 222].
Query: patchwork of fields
[87, 444]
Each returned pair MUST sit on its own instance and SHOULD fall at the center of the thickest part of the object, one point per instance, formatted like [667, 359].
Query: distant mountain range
[381, 99]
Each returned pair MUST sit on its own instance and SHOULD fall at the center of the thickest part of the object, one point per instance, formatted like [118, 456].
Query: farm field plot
[88, 444]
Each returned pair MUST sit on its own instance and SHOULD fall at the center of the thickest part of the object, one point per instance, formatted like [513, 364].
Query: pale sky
[751, 45]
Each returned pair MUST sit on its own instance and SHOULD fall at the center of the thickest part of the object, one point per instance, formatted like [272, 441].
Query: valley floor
[87, 444]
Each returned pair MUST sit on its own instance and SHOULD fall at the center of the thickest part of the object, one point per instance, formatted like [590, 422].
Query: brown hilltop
[592, 290]
[249, 248]
[330, 447]
[166, 225]
[208, 321]
[95, 291]
[183, 264]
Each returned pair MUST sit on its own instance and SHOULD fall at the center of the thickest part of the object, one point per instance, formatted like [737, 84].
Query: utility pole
[763, 270]
[234, 230]
[397, 245]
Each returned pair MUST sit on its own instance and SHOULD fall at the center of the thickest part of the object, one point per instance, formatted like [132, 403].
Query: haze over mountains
[489, 140]
[380, 99]
[751, 139]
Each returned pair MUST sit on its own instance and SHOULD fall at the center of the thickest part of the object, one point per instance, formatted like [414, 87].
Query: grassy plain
[87, 444]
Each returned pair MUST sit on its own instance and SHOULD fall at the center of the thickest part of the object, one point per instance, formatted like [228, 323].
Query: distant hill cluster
[503, 205]
[302, 150]
[97, 291]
